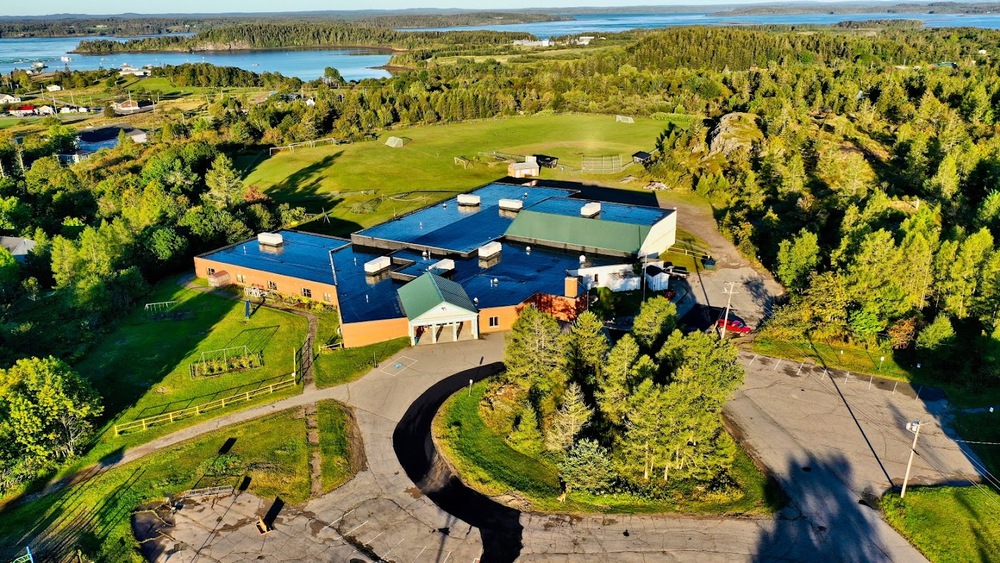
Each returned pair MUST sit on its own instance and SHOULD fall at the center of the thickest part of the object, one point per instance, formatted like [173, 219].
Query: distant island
[864, 8]
[131, 25]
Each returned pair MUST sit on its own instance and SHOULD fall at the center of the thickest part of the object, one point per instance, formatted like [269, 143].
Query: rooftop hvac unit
[377, 265]
[445, 265]
[592, 209]
[468, 199]
[489, 250]
[511, 204]
[270, 239]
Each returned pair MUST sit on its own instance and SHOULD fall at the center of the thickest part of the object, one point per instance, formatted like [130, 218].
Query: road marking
[751, 361]
[373, 539]
[775, 368]
[385, 556]
[355, 528]
[800, 367]
[396, 367]
[421, 553]
[446, 558]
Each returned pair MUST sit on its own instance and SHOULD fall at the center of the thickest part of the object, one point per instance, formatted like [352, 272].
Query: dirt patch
[355, 445]
[313, 437]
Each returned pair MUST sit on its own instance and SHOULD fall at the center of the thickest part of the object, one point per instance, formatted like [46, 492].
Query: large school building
[456, 269]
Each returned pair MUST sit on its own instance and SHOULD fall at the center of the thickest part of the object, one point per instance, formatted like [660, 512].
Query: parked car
[734, 325]
[677, 271]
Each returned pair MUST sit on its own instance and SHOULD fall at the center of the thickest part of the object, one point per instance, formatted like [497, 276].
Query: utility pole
[730, 290]
[915, 428]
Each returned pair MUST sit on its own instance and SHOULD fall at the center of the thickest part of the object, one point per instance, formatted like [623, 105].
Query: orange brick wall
[505, 315]
[371, 332]
[563, 308]
[286, 284]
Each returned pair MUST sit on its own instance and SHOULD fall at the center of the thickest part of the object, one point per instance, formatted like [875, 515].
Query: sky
[43, 7]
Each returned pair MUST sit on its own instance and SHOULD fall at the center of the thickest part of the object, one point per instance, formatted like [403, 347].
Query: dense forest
[125, 26]
[861, 168]
[298, 35]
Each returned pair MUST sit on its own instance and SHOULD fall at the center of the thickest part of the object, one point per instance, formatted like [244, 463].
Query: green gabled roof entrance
[577, 233]
[430, 291]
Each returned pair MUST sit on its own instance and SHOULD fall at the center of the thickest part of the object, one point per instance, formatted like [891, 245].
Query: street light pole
[915, 428]
[729, 290]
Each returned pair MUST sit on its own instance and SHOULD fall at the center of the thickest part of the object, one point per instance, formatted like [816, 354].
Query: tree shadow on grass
[256, 339]
[305, 182]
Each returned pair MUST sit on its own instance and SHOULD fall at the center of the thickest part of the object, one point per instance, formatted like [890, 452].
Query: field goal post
[624, 119]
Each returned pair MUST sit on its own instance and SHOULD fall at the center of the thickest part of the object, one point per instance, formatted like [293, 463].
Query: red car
[734, 325]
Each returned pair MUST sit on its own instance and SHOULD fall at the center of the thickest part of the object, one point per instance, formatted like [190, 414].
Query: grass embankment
[143, 367]
[948, 523]
[338, 433]
[96, 513]
[898, 365]
[955, 523]
[366, 183]
[488, 464]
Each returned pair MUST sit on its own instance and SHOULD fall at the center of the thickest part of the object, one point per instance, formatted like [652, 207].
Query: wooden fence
[143, 424]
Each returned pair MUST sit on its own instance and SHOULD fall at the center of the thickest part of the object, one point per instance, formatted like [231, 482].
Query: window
[240, 278]
[494, 321]
[326, 297]
[307, 293]
[211, 271]
[272, 286]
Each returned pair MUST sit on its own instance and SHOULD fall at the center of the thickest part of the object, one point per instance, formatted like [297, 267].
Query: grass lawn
[850, 358]
[390, 181]
[982, 427]
[337, 433]
[488, 464]
[948, 523]
[142, 368]
[341, 366]
[96, 513]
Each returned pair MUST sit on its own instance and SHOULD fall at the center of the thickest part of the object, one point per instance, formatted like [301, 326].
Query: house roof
[18, 246]
[430, 291]
[641, 154]
[577, 232]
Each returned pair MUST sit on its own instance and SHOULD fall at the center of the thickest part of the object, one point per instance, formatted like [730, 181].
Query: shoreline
[375, 50]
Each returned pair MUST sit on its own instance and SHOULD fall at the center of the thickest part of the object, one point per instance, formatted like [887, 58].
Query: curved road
[828, 442]
[499, 525]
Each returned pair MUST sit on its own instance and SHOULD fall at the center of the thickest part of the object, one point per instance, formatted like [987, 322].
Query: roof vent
[380, 264]
[511, 204]
[445, 265]
[490, 249]
[270, 239]
[468, 200]
[592, 209]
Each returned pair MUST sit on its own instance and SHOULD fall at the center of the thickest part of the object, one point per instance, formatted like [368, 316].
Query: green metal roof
[429, 291]
[578, 231]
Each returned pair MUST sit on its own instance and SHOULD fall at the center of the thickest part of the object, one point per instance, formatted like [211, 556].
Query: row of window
[272, 286]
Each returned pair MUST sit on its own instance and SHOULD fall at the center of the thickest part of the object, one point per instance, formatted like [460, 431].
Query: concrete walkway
[801, 427]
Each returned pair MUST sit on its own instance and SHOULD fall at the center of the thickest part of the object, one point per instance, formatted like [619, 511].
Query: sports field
[365, 183]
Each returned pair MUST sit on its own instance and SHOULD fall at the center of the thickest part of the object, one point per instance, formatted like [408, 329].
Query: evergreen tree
[587, 466]
[571, 417]
[225, 188]
[656, 319]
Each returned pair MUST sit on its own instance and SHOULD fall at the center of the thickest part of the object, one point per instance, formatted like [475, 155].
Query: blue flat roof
[461, 229]
[519, 275]
[617, 212]
[302, 255]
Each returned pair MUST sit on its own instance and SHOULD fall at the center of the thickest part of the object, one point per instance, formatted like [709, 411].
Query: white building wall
[661, 236]
[616, 277]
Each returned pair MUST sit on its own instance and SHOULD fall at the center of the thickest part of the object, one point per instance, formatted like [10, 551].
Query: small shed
[219, 279]
[641, 157]
[527, 169]
[53, 87]
[395, 142]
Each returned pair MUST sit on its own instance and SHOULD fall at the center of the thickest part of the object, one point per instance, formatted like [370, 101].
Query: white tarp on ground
[394, 142]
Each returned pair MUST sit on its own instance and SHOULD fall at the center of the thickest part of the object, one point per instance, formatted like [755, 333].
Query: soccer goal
[624, 119]
[602, 164]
